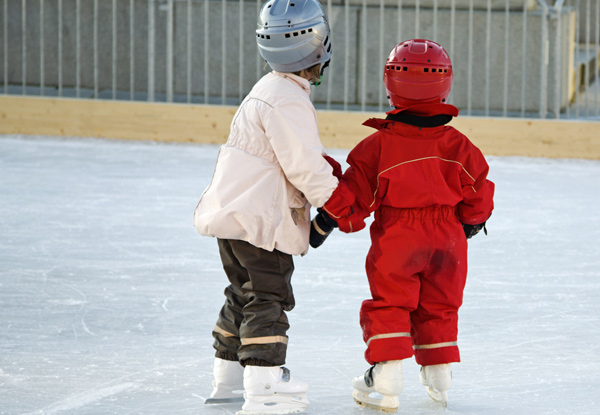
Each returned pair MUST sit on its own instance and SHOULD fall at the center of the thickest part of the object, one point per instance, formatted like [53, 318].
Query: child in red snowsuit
[426, 183]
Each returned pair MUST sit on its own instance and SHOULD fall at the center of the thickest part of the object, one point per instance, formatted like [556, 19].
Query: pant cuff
[428, 357]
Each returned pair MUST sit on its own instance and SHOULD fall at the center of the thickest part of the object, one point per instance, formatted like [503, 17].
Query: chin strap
[317, 83]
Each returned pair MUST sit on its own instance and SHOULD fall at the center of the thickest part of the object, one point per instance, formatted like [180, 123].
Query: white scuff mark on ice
[85, 327]
[68, 302]
[85, 398]
[164, 304]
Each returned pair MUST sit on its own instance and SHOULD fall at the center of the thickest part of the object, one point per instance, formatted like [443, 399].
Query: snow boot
[380, 386]
[228, 382]
[272, 390]
[437, 379]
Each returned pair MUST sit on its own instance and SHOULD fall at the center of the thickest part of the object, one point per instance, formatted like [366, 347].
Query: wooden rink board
[210, 124]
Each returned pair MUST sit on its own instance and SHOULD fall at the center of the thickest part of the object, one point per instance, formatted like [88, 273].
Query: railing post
[597, 68]
[557, 13]
[24, 46]
[114, 49]
[330, 83]
[224, 52]
[77, 48]
[470, 61]
[524, 61]
[95, 48]
[42, 58]
[488, 47]
[5, 47]
[131, 50]
[241, 53]
[381, 51]
[169, 68]
[151, 46]
[544, 60]
[506, 56]
[206, 49]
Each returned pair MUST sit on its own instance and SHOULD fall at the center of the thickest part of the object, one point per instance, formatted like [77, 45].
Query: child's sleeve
[352, 201]
[291, 128]
[478, 191]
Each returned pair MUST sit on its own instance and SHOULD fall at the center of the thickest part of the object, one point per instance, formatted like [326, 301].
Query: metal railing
[523, 58]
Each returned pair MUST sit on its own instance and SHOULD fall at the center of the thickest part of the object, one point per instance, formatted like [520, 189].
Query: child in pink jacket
[267, 176]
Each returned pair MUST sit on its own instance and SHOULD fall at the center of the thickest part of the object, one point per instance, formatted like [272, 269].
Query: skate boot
[437, 379]
[228, 382]
[380, 386]
[272, 390]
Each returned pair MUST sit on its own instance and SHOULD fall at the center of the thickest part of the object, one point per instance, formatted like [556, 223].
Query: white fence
[523, 58]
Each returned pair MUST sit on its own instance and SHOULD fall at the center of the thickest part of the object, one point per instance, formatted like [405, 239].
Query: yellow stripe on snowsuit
[435, 345]
[222, 332]
[264, 340]
[387, 336]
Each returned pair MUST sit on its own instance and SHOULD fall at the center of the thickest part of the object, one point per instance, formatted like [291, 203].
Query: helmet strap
[317, 83]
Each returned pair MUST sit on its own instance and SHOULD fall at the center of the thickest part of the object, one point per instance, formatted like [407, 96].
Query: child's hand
[352, 223]
[472, 230]
[320, 228]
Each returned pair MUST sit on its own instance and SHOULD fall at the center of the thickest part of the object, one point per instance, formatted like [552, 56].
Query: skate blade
[384, 404]
[438, 397]
[272, 412]
[277, 404]
[214, 401]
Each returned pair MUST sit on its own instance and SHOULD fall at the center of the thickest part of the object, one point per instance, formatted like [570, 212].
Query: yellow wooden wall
[210, 124]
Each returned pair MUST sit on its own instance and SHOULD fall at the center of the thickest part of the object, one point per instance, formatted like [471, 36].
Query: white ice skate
[380, 386]
[228, 382]
[272, 390]
[437, 379]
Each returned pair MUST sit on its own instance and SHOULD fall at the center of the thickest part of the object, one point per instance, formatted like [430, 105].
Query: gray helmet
[293, 34]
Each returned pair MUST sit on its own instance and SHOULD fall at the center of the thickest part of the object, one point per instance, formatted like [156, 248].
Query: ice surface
[108, 296]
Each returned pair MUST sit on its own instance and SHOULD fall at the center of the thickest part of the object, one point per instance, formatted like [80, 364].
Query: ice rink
[108, 295]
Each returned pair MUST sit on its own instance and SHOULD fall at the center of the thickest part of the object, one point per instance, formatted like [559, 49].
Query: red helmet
[417, 71]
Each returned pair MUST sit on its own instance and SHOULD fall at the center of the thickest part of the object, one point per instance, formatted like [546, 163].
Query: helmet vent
[302, 32]
[397, 68]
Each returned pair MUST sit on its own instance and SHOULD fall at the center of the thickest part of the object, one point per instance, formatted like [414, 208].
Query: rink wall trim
[210, 124]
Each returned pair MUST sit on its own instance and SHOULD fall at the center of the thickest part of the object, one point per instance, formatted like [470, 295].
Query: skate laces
[286, 374]
[369, 376]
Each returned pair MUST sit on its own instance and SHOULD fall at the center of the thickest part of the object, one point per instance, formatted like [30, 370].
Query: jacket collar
[424, 115]
[302, 83]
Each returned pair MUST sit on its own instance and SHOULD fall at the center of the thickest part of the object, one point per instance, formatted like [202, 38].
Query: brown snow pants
[252, 324]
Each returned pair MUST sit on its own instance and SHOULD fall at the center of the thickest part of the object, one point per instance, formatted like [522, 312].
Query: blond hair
[314, 72]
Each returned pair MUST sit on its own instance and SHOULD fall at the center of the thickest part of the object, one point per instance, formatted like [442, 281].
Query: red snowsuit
[423, 183]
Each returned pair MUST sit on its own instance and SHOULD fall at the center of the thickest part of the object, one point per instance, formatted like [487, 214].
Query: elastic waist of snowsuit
[427, 213]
